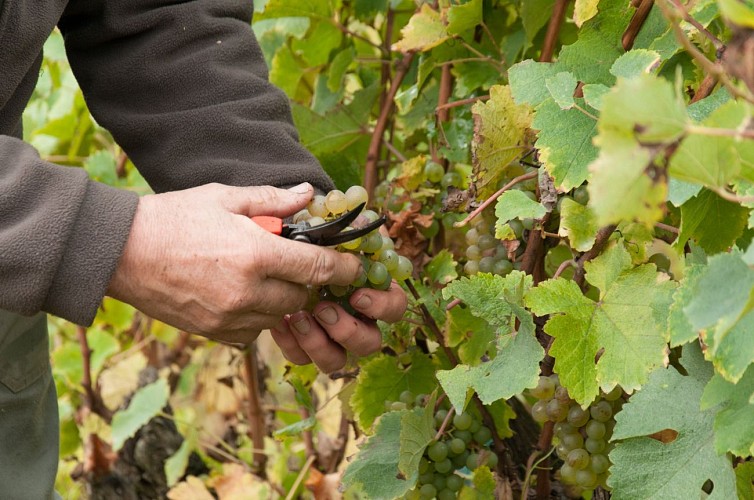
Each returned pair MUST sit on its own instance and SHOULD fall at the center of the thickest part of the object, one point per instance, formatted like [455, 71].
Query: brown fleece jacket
[183, 88]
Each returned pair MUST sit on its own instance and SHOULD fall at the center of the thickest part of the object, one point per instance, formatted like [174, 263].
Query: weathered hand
[195, 260]
[325, 336]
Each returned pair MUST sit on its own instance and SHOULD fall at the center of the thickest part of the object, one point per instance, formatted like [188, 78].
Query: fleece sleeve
[182, 86]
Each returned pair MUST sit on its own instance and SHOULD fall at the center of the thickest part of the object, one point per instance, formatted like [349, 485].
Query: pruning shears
[328, 234]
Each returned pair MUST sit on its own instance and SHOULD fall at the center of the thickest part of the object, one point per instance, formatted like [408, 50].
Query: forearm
[60, 235]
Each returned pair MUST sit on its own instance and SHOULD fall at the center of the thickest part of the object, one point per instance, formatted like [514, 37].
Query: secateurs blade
[327, 234]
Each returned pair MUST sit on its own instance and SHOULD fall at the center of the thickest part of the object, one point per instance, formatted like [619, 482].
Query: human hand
[195, 260]
[325, 335]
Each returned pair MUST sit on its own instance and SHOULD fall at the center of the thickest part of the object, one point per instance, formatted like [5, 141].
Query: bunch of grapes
[381, 263]
[485, 253]
[464, 444]
[581, 435]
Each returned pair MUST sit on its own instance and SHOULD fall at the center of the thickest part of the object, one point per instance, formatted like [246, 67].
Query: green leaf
[424, 31]
[527, 81]
[375, 467]
[145, 404]
[734, 424]
[681, 331]
[383, 379]
[101, 167]
[301, 381]
[417, 431]
[514, 204]
[714, 223]
[442, 268]
[738, 12]
[472, 335]
[680, 192]
[647, 468]
[175, 465]
[579, 224]
[628, 322]
[103, 345]
[316, 9]
[286, 72]
[534, 15]
[634, 63]
[745, 481]
[464, 17]
[561, 87]
[565, 143]
[368, 8]
[338, 67]
[499, 138]
[483, 487]
[593, 93]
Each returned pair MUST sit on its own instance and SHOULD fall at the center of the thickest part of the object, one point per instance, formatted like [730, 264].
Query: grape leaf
[473, 336]
[382, 379]
[578, 224]
[375, 467]
[365, 9]
[464, 17]
[145, 404]
[681, 331]
[175, 465]
[734, 424]
[527, 81]
[745, 481]
[647, 468]
[561, 87]
[635, 62]
[315, 9]
[499, 138]
[565, 142]
[442, 268]
[338, 67]
[483, 486]
[424, 30]
[593, 93]
[714, 223]
[740, 13]
[680, 192]
[628, 322]
[417, 431]
[534, 15]
[584, 10]
[514, 204]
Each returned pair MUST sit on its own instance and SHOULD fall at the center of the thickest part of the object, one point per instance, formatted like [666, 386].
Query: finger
[242, 336]
[359, 337]
[285, 339]
[277, 297]
[388, 305]
[312, 338]
[268, 200]
[310, 264]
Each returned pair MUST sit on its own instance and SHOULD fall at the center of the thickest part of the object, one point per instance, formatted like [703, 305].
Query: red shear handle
[271, 224]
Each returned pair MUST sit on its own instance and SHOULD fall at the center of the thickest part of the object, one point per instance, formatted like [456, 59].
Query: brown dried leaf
[190, 489]
[323, 486]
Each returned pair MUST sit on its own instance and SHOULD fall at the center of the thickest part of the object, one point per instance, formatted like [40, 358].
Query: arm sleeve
[61, 235]
[182, 86]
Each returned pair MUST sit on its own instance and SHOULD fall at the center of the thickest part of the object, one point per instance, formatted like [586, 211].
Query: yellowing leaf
[424, 30]
[578, 224]
[584, 10]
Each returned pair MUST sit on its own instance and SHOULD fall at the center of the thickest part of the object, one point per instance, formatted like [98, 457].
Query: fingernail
[302, 325]
[328, 315]
[302, 188]
[363, 302]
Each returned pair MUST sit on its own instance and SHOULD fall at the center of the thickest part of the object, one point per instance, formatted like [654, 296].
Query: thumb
[268, 200]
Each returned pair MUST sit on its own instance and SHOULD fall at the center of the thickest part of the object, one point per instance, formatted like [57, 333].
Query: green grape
[390, 259]
[353, 244]
[599, 463]
[427, 477]
[503, 267]
[454, 483]
[483, 435]
[440, 417]
[578, 458]
[602, 411]
[472, 462]
[459, 461]
[371, 243]
[562, 451]
[486, 264]
[595, 445]
[491, 460]
[338, 290]
[539, 412]
[439, 482]
[316, 221]
[433, 172]
[471, 267]
[420, 400]
[406, 397]
[444, 466]
[397, 405]
[446, 494]
[423, 466]
[387, 243]
[464, 436]
[473, 252]
[596, 429]
[559, 206]
[336, 202]
[517, 227]
[378, 273]
[545, 388]
[557, 411]
[457, 445]
[486, 242]
[428, 491]
[586, 478]
[404, 269]
[301, 216]
[405, 358]
[572, 441]
[564, 428]
[361, 280]
[527, 224]
[568, 474]
[437, 451]
[317, 207]
[384, 285]
[577, 417]
[472, 236]
[615, 394]
[475, 425]
[451, 179]
[462, 421]
[387, 405]
[581, 195]
[561, 394]
[356, 195]
[369, 215]
[431, 231]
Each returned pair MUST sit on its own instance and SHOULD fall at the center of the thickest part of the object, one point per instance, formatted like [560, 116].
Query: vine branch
[257, 427]
[603, 236]
[553, 30]
[489, 201]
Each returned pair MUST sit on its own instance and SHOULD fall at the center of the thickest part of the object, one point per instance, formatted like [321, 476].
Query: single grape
[420, 400]
[473, 252]
[336, 202]
[567, 474]
[369, 215]
[601, 411]
[457, 445]
[338, 290]
[572, 441]
[491, 461]
[438, 451]
[353, 244]
[486, 242]
[561, 394]
[483, 435]
[389, 258]
[557, 411]
[433, 172]
[471, 267]
[453, 482]
[440, 417]
[599, 463]
[462, 421]
[476, 424]
[562, 451]
[405, 358]
[451, 179]
[316, 221]
[427, 477]
[472, 236]
[464, 436]
[423, 465]
[317, 207]
[356, 195]
[406, 397]
[301, 216]
[486, 264]
[428, 491]
[473, 461]
[517, 227]
[564, 428]
[527, 224]
[578, 458]
[586, 478]
[397, 405]
[361, 280]
[596, 429]
[545, 388]
[615, 394]
[439, 481]
[387, 243]
[404, 269]
[595, 445]
[539, 412]
[378, 273]
[577, 417]
[503, 267]
[446, 494]
[431, 231]
[581, 195]
[459, 461]
[444, 466]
